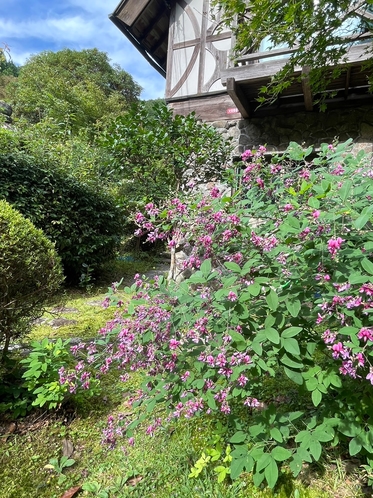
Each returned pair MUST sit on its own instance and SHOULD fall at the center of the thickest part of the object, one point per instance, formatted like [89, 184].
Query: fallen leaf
[11, 428]
[71, 492]
[67, 448]
[134, 480]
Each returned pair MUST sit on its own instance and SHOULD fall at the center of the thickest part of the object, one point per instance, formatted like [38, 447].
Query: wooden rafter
[238, 97]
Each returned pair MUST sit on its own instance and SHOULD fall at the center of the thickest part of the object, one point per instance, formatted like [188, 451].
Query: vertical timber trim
[170, 57]
[238, 97]
[202, 55]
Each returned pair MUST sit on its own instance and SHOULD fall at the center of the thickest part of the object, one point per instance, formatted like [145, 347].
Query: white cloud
[80, 25]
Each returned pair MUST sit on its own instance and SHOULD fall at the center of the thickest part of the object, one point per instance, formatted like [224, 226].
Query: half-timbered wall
[197, 51]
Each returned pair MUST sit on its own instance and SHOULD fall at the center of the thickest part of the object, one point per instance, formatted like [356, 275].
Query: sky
[31, 26]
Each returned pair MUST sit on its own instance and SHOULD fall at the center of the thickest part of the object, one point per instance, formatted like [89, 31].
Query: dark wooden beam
[307, 93]
[238, 97]
[347, 81]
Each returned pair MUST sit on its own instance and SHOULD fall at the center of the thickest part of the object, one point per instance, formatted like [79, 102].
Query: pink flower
[365, 334]
[288, 207]
[246, 155]
[337, 349]
[185, 376]
[316, 214]
[334, 245]
[260, 182]
[232, 296]
[370, 375]
[174, 344]
[252, 402]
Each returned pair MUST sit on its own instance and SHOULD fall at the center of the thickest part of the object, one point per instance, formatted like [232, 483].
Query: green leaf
[293, 222]
[272, 335]
[281, 454]
[237, 337]
[293, 307]
[269, 321]
[231, 265]
[315, 449]
[271, 473]
[258, 478]
[322, 435]
[344, 191]
[349, 428]
[257, 347]
[304, 454]
[313, 202]
[355, 446]
[296, 465]
[364, 217]
[290, 345]
[263, 461]
[285, 360]
[206, 267]
[254, 289]
[316, 397]
[276, 435]
[296, 377]
[238, 437]
[272, 300]
[291, 332]
[237, 466]
[367, 265]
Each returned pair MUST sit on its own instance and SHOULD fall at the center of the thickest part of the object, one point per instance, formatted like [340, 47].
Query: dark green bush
[84, 223]
[30, 273]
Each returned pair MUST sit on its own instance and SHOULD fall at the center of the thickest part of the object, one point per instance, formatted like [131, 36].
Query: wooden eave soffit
[129, 10]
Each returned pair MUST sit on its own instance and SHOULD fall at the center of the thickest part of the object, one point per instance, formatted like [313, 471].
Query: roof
[146, 24]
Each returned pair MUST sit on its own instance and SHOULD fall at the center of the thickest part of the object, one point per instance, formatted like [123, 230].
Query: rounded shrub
[30, 273]
[84, 223]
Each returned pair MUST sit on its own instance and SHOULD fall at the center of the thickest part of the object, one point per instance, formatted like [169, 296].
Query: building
[192, 50]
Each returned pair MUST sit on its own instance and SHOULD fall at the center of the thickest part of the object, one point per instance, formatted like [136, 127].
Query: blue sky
[31, 26]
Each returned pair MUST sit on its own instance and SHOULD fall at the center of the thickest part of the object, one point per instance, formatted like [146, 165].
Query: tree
[154, 153]
[7, 66]
[320, 31]
[77, 88]
[8, 71]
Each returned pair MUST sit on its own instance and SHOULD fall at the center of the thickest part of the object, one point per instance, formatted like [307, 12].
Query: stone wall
[308, 128]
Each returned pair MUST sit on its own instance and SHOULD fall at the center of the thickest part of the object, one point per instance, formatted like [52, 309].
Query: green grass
[156, 466]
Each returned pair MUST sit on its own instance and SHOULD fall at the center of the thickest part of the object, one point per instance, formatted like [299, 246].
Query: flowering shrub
[281, 289]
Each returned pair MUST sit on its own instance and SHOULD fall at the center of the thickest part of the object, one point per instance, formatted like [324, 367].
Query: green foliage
[30, 273]
[281, 289]
[41, 376]
[84, 223]
[77, 88]
[59, 465]
[294, 24]
[156, 153]
[34, 382]
[50, 142]
[7, 66]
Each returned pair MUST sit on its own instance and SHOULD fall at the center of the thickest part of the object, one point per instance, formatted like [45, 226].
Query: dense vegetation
[75, 88]
[280, 288]
[30, 273]
[259, 360]
[85, 224]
